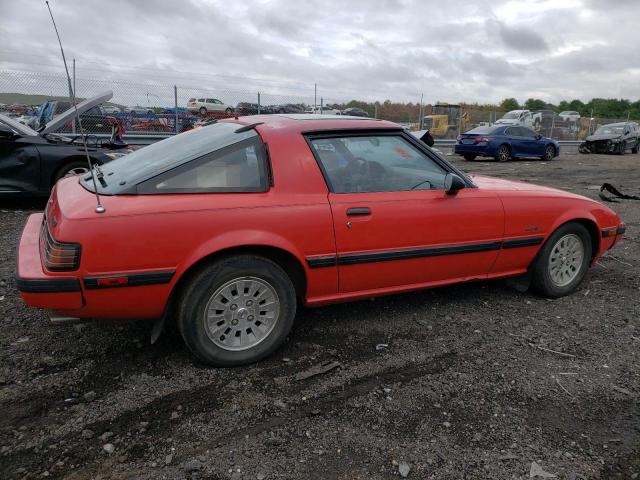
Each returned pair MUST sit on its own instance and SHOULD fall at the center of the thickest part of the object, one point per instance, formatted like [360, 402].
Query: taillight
[459, 137]
[481, 139]
[58, 256]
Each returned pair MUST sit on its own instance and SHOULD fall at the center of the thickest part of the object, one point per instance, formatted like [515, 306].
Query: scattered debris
[109, 448]
[404, 469]
[562, 387]
[508, 456]
[87, 434]
[382, 346]
[540, 347]
[317, 370]
[192, 466]
[607, 187]
[622, 390]
[537, 471]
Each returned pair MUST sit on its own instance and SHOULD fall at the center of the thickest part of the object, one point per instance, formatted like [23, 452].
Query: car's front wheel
[71, 168]
[203, 110]
[549, 153]
[622, 147]
[635, 149]
[563, 261]
[237, 310]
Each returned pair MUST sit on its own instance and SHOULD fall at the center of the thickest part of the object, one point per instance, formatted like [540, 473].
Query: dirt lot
[461, 391]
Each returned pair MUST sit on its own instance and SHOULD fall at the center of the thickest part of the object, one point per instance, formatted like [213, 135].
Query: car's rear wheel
[71, 168]
[563, 261]
[237, 310]
[503, 154]
[549, 153]
[635, 149]
[469, 157]
[203, 110]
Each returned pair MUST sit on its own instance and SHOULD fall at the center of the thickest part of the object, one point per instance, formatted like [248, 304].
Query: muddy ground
[462, 390]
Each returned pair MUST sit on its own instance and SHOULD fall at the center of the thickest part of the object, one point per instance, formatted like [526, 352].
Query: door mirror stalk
[453, 183]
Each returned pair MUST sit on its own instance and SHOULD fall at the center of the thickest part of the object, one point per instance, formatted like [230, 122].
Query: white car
[570, 115]
[111, 109]
[318, 110]
[516, 117]
[204, 105]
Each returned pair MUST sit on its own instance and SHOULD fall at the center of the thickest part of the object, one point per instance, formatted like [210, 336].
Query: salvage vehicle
[229, 228]
[505, 143]
[613, 138]
[206, 105]
[31, 162]
[355, 112]
[516, 117]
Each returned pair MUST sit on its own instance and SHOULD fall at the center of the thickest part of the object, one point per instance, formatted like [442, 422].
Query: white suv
[204, 105]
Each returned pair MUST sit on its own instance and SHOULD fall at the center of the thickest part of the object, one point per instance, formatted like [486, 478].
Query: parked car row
[205, 106]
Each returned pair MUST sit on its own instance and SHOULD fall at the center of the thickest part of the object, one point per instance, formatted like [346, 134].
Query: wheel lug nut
[250, 317]
[234, 321]
[234, 306]
[249, 303]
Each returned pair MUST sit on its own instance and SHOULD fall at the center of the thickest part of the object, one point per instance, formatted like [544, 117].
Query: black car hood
[595, 138]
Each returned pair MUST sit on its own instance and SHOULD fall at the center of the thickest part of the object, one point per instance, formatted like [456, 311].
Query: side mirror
[453, 183]
[538, 137]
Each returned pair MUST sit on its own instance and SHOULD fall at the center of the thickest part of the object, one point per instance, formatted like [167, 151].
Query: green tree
[509, 104]
[536, 104]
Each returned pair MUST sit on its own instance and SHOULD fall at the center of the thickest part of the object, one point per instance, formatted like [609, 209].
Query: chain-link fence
[156, 108]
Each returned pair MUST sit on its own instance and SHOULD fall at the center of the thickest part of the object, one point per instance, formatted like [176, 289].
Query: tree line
[611, 108]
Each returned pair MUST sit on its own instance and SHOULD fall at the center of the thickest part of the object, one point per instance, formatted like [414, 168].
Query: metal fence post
[321, 104]
[553, 124]
[315, 97]
[375, 110]
[420, 112]
[258, 103]
[175, 103]
[75, 93]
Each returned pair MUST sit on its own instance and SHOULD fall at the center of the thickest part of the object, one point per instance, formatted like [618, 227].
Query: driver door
[395, 226]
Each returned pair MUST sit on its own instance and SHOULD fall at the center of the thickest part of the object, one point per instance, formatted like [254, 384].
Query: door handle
[358, 211]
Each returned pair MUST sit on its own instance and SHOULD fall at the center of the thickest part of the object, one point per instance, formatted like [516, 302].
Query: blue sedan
[505, 142]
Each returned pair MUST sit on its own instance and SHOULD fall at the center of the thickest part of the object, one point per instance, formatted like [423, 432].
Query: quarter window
[238, 168]
[377, 163]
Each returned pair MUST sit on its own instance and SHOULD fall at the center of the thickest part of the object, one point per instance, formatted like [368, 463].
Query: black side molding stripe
[522, 242]
[132, 279]
[611, 232]
[318, 262]
[387, 255]
[48, 285]
[353, 258]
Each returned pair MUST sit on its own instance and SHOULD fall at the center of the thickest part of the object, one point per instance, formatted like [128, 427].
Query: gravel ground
[462, 389]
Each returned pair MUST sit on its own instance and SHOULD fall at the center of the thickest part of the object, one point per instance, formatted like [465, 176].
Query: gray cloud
[372, 49]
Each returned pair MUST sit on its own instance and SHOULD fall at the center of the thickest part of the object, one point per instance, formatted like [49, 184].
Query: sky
[476, 51]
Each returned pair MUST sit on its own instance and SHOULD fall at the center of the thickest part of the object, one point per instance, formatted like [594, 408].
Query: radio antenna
[72, 99]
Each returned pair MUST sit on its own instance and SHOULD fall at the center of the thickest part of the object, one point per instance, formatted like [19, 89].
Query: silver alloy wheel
[503, 153]
[76, 171]
[548, 153]
[566, 259]
[241, 313]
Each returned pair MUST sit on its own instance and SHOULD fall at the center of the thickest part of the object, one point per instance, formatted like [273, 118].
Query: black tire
[203, 111]
[469, 157]
[504, 153]
[68, 169]
[622, 148]
[549, 153]
[541, 279]
[201, 288]
[635, 149]
[228, 111]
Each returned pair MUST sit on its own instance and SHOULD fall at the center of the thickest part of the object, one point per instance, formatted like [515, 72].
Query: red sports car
[228, 228]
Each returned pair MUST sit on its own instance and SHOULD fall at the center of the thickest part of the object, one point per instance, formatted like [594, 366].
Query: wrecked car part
[607, 187]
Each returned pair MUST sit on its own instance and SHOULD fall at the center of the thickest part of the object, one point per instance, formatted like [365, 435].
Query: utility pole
[73, 125]
[175, 104]
[420, 117]
[315, 97]
[258, 103]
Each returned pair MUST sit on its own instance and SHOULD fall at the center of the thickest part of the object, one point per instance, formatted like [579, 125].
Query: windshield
[123, 174]
[511, 115]
[607, 130]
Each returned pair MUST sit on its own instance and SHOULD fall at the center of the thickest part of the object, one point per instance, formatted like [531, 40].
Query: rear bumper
[476, 149]
[37, 287]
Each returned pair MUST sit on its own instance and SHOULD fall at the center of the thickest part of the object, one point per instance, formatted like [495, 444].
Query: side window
[201, 100]
[525, 132]
[512, 132]
[237, 168]
[378, 163]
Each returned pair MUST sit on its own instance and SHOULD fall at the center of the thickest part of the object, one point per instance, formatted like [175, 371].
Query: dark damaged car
[613, 138]
[31, 161]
